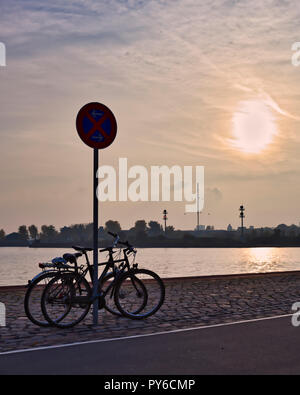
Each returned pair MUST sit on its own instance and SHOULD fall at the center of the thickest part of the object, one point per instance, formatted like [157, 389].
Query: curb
[191, 278]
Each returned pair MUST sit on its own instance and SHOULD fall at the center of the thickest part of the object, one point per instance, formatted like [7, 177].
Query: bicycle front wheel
[126, 289]
[66, 300]
[135, 295]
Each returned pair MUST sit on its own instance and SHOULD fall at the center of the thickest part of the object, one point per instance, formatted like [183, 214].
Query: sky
[207, 83]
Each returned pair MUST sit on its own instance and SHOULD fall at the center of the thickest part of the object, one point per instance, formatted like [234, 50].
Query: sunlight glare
[253, 126]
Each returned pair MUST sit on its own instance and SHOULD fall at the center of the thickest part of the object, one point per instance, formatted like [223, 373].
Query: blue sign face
[96, 125]
[96, 130]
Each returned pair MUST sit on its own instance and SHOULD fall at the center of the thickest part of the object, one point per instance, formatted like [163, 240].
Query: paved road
[189, 302]
[269, 346]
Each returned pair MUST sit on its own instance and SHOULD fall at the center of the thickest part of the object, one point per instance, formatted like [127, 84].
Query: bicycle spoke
[66, 300]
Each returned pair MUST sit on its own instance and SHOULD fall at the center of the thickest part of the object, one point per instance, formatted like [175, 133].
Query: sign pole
[97, 127]
[95, 222]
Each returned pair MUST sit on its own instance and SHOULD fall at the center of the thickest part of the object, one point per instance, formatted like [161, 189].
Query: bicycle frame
[111, 263]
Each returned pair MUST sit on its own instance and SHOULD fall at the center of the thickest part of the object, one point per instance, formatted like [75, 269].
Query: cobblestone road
[189, 302]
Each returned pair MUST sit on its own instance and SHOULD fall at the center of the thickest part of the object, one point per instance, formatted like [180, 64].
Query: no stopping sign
[96, 125]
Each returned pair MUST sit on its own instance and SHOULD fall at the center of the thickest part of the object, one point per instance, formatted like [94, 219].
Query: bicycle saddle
[71, 257]
[82, 249]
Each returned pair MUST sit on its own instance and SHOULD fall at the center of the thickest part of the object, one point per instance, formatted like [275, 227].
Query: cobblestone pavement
[189, 302]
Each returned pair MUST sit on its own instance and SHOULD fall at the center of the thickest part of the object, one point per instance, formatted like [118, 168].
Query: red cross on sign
[96, 125]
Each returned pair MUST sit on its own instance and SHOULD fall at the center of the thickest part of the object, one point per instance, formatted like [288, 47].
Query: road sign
[96, 125]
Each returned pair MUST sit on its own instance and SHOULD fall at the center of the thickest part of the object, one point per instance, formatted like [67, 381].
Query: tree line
[84, 232]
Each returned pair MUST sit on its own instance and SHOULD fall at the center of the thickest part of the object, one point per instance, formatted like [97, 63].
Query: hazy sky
[190, 82]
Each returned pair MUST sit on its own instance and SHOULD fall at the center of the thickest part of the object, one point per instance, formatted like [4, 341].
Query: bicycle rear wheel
[32, 300]
[66, 300]
[126, 288]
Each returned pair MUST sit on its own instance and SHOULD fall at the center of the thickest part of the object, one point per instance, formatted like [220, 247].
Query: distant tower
[165, 218]
[242, 216]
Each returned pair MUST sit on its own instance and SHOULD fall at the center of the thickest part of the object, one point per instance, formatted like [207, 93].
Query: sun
[253, 127]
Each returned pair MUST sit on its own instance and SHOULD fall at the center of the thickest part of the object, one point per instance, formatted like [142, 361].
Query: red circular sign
[96, 125]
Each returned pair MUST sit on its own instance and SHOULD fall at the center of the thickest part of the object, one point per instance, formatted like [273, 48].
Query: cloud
[173, 72]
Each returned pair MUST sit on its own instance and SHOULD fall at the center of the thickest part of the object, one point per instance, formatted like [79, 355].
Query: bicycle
[32, 299]
[67, 298]
[35, 286]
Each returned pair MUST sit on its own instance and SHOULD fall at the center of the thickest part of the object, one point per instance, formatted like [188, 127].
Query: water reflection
[263, 259]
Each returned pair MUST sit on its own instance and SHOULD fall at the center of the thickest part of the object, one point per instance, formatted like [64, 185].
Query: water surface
[18, 264]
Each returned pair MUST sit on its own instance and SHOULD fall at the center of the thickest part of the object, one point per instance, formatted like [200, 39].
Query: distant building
[229, 228]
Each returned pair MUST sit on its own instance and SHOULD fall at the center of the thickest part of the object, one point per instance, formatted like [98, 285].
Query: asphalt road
[268, 346]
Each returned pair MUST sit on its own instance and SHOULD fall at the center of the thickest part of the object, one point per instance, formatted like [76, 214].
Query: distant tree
[2, 233]
[78, 232]
[282, 228]
[140, 226]
[155, 228]
[23, 232]
[293, 231]
[33, 231]
[65, 233]
[112, 226]
[48, 232]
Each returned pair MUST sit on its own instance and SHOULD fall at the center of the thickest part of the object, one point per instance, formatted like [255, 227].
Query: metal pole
[198, 221]
[95, 236]
[242, 226]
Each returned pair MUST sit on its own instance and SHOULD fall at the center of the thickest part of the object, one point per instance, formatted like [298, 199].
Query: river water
[19, 264]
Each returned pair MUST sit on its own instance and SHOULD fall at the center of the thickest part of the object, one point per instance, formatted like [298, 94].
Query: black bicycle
[137, 293]
[35, 287]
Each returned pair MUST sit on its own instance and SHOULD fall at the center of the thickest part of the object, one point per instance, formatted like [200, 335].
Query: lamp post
[165, 218]
[242, 216]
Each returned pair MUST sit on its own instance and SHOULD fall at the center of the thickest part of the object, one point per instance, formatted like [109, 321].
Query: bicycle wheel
[66, 300]
[107, 288]
[138, 295]
[33, 296]
[126, 288]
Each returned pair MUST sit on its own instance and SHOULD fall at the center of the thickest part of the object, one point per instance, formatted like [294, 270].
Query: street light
[242, 216]
[165, 218]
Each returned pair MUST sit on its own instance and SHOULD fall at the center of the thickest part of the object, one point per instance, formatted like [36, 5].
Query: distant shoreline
[171, 244]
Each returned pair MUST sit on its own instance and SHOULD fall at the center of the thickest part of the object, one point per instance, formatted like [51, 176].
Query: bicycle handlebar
[116, 236]
[125, 243]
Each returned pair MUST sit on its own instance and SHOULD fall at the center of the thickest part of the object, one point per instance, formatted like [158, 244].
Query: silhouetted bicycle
[137, 293]
[35, 287]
